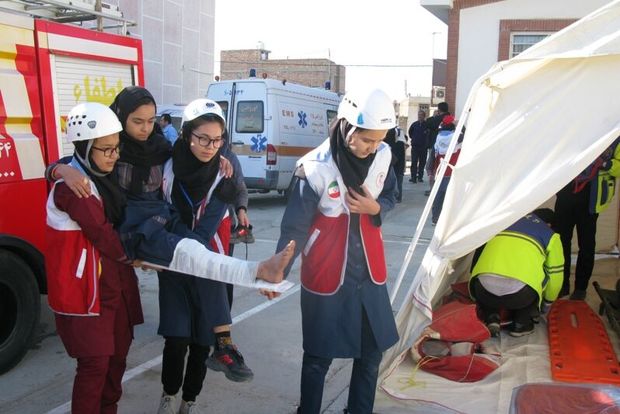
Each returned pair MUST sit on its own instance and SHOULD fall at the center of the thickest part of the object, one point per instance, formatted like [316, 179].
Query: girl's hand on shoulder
[226, 167]
[75, 180]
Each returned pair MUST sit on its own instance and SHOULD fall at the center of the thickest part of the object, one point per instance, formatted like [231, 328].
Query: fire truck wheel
[20, 306]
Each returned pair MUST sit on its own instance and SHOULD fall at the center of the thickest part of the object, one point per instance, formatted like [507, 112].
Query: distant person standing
[418, 132]
[433, 124]
[578, 205]
[398, 160]
[171, 134]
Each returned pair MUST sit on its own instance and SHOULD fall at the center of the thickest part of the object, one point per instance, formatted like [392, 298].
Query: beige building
[407, 110]
[236, 64]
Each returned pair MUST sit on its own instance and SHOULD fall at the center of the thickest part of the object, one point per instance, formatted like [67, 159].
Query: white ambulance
[272, 124]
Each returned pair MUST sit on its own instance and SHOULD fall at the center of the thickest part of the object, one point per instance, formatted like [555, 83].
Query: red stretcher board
[580, 350]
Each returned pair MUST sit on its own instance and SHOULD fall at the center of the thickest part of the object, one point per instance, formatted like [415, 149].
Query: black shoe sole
[229, 374]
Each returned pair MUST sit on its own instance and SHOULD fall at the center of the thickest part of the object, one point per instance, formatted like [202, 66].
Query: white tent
[533, 123]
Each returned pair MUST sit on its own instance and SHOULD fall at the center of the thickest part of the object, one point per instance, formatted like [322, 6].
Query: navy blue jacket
[332, 325]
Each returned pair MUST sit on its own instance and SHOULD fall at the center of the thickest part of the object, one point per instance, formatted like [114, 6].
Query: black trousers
[418, 161]
[572, 210]
[173, 365]
[524, 303]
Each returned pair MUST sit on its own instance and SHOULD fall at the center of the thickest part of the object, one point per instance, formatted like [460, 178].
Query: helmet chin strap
[349, 135]
[86, 161]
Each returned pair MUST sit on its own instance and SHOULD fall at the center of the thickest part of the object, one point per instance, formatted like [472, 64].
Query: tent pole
[427, 207]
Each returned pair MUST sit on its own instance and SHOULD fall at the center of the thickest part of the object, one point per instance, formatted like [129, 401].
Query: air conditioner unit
[439, 92]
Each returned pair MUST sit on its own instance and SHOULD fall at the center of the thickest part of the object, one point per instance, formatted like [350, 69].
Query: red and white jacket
[72, 262]
[324, 256]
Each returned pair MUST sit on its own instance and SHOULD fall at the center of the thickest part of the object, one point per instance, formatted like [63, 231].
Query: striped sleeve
[554, 268]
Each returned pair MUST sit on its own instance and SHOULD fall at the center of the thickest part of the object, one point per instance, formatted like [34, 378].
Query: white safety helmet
[200, 107]
[369, 110]
[91, 120]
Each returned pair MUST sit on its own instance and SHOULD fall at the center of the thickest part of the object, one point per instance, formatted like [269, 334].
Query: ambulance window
[330, 116]
[224, 106]
[249, 116]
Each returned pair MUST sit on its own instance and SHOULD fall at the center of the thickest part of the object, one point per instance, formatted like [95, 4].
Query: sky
[349, 32]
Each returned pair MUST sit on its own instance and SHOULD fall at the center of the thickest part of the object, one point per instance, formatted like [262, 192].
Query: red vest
[72, 264]
[324, 256]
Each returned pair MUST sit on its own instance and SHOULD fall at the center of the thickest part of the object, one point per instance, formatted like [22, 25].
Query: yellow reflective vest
[528, 251]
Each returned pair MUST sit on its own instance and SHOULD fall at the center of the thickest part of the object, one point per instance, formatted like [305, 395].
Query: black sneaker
[230, 361]
[242, 234]
[420, 180]
[427, 193]
[521, 329]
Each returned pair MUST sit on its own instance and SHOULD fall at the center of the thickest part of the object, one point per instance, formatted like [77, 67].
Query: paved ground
[268, 334]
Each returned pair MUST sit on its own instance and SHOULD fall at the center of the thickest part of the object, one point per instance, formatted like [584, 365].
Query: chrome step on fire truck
[46, 67]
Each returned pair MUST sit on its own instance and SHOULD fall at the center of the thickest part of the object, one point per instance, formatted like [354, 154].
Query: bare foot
[272, 269]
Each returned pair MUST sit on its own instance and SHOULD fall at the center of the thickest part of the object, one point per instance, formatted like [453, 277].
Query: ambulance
[272, 124]
[45, 69]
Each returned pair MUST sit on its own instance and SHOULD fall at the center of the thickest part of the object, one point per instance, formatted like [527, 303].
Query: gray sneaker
[518, 329]
[166, 404]
[189, 407]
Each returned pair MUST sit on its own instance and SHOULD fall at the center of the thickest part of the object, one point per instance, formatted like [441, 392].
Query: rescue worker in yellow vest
[518, 270]
[578, 204]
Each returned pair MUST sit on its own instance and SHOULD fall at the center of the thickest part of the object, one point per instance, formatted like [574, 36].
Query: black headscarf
[353, 169]
[142, 155]
[192, 178]
[113, 198]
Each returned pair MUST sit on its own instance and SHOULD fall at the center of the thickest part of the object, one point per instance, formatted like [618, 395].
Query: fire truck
[47, 66]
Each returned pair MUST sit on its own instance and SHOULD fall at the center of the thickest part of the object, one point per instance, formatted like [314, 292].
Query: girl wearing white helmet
[151, 229]
[91, 286]
[195, 312]
[334, 214]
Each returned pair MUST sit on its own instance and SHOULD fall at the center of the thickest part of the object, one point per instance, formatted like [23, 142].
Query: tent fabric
[533, 123]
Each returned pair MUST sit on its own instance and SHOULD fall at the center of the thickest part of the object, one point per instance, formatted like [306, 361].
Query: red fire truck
[45, 69]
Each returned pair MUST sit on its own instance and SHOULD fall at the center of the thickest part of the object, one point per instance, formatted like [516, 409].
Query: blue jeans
[363, 378]
[399, 187]
[441, 194]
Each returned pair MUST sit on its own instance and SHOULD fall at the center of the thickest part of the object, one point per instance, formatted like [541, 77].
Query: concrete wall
[178, 42]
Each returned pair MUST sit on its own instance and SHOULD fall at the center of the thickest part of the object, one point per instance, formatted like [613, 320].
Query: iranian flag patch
[332, 190]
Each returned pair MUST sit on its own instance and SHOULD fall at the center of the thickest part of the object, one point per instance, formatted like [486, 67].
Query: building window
[522, 41]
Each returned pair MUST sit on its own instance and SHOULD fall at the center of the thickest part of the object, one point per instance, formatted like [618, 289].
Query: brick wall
[236, 64]
[506, 27]
[453, 45]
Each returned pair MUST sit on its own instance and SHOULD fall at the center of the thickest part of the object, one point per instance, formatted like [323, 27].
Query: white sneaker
[189, 407]
[166, 404]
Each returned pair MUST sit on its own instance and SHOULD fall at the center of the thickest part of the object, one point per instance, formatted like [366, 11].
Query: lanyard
[197, 208]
